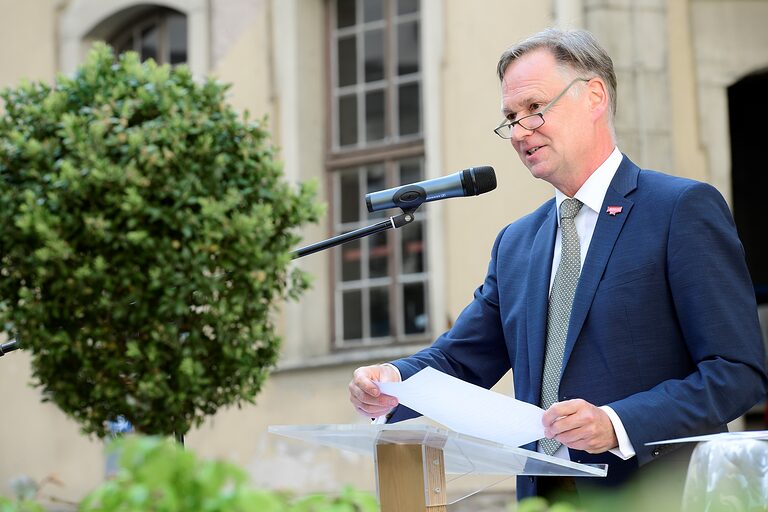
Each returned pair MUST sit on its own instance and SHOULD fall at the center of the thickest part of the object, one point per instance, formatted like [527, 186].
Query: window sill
[362, 355]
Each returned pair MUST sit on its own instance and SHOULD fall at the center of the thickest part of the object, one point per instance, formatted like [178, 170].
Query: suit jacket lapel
[539, 272]
[604, 238]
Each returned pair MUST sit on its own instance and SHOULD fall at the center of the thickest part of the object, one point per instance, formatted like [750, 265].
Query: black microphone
[469, 182]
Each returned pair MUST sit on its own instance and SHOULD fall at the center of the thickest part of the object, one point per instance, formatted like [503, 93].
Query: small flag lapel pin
[613, 210]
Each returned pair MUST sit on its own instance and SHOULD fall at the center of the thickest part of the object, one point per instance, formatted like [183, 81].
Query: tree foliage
[145, 232]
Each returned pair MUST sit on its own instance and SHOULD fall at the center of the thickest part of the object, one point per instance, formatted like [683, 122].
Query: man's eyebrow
[527, 101]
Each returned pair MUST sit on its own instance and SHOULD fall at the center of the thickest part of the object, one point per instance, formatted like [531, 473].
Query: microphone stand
[8, 347]
[394, 222]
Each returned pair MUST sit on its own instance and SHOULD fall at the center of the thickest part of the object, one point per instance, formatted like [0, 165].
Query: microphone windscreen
[485, 179]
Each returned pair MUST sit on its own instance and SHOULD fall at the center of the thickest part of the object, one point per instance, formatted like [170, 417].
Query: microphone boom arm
[8, 347]
[394, 222]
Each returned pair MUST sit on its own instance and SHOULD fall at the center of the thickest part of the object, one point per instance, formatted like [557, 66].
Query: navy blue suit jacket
[664, 324]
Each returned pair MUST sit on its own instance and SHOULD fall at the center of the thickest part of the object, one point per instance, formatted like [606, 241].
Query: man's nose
[519, 132]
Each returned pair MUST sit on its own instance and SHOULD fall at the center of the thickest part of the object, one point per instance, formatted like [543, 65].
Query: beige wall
[38, 441]
[242, 49]
[27, 41]
[474, 40]
[689, 157]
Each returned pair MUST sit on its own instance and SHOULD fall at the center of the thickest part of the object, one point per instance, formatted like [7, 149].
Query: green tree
[145, 232]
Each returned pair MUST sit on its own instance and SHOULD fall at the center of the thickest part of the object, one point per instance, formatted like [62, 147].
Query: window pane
[413, 248]
[376, 180]
[347, 61]
[378, 257]
[351, 256]
[409, 109]
[124, 45]
[177, 36]
[374, 55]
[345, 13]
[149, 43]
[373, 10]
[353, 314]
[379, 312]
[413, 308]
[407, 6]
[408, 48]
[347, 120]
[374, 115]
[349, 190]
[410, 171]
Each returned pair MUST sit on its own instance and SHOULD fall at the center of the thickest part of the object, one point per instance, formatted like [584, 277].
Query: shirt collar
[592, 192]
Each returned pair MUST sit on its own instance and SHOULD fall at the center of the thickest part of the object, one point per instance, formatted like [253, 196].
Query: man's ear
[597, 95]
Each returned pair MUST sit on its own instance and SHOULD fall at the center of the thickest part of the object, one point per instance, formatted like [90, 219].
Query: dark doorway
[748, 110]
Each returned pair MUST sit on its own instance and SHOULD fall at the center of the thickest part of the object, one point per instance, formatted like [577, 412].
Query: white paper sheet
[468, 409]
[728, 436]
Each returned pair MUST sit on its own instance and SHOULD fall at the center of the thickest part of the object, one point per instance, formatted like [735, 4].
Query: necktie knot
[569, 208]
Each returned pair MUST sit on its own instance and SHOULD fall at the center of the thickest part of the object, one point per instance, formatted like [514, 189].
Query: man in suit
[623, 305]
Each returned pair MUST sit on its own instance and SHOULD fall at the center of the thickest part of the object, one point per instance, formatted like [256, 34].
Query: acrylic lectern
[412, 460]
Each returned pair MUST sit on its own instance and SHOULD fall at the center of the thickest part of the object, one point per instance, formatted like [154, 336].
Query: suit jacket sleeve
[714, 304]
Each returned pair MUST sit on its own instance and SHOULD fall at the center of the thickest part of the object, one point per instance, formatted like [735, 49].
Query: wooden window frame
[388, 152]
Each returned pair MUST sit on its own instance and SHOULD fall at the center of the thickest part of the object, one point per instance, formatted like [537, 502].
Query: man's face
[556, 151]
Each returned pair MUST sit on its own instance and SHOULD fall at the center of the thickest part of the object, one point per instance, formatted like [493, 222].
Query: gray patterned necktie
[559, 314]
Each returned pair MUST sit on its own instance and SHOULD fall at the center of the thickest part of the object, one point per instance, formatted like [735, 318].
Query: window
[159, 34]
[376, 76]
[381, 281]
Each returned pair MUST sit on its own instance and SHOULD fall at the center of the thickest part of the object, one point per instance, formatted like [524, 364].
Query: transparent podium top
[463, 454]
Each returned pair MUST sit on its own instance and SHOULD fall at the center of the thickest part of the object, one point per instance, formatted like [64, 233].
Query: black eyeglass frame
[509, 126]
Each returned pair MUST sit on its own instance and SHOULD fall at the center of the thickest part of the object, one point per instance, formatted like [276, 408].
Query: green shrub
[146, 232]
[26, 505]
[158, 475]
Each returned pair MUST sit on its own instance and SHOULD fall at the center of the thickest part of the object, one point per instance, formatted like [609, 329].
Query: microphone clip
[409, 197]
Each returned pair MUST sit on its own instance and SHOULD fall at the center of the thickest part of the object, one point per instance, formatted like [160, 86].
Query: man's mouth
[533, 150]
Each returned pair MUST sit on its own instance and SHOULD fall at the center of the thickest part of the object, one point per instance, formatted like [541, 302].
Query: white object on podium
[728, 471]
[412, 460]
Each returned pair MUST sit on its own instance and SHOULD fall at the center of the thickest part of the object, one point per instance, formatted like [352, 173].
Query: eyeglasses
[532, 121]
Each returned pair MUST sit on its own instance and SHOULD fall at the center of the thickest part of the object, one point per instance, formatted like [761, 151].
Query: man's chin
[539, 171]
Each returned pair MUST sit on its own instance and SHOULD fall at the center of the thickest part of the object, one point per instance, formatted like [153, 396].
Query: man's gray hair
[577, 50]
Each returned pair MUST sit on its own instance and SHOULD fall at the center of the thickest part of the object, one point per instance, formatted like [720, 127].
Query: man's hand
[580, 425]
[364, 393]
